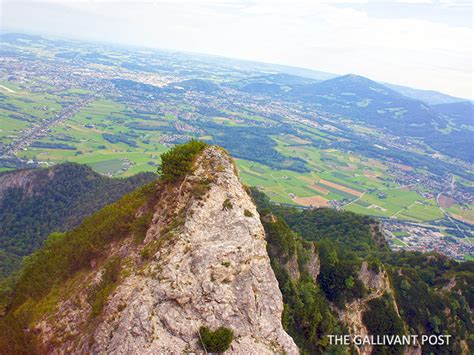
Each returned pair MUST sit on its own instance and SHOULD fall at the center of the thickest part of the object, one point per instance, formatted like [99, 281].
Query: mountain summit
[187, 259]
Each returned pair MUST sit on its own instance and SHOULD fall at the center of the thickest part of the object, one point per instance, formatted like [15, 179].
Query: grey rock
[212, 270]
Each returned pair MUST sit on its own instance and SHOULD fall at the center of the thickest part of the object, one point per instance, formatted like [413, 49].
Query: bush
[227, 205]
[140, 226]
[99, 294]
[178, 161]
[216, 341]
[247, 213]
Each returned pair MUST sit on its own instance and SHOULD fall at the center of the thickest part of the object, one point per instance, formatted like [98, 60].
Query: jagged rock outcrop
[377, 285]
[23, 179]
[203, 262]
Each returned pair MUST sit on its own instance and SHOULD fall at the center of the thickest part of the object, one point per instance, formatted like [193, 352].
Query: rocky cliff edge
[202, 262]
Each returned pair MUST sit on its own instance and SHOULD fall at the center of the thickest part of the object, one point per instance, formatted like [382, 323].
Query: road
[40, 130]
[448, 216]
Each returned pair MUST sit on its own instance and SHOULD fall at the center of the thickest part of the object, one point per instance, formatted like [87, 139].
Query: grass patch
[99, 294]
[107, 166]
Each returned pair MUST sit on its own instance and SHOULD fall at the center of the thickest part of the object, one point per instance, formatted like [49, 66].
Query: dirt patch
[299, 140]
[462, 219]
[313, 201]
[446, 201]
[320, 189]
[403, 167]
[375, 207]
[371, 175]
[341, 188]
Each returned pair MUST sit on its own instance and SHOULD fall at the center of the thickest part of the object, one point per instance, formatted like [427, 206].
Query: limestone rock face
[23, 179]
[377, 284]
[206, 265]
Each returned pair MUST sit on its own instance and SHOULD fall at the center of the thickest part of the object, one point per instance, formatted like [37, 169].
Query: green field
[84, 132]
[464, 213]
[110, 166]
[399, 242]
[355, 180]
[21, 108]
[115, 140]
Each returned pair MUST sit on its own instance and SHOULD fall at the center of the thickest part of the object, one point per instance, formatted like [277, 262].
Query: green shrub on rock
[178, 161]
[216, 341]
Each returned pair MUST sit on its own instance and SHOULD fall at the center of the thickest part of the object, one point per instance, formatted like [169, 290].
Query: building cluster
[415, 237]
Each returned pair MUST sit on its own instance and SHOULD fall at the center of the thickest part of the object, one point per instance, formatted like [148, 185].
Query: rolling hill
[37, 202]
[460, 112]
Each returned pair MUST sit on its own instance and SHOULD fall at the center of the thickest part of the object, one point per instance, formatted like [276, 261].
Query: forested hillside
[107, 286]
[34, 203]
[433, 294]
[334, 270]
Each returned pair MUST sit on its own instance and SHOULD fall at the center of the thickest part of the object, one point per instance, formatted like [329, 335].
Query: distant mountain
[132, 87]
[430, 97]
[277, 79]
[461, 112]
[269, 68]
[270, 84]
[135, 88]
[36, 202]
[363, 99]
[354, 97]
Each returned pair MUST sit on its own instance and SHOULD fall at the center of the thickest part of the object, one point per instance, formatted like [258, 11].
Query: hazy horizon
[421, 44]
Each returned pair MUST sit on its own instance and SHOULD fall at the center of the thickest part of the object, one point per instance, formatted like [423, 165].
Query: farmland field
[99, 136]
[464, 213]
[115, 140]
[119, 111]
[352, 179]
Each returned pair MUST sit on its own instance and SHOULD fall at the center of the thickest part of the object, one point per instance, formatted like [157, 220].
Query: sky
[424, 44]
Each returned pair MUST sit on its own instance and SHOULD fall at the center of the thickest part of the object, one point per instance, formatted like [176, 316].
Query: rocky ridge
[23, 179]
[202, 262]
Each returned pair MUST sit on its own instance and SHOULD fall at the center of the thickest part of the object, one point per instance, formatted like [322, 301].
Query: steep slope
[36, 202]
[337, 279]
[461, 112]
[429, 97]
[363, 99]
[319, 299]
[147, 272]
